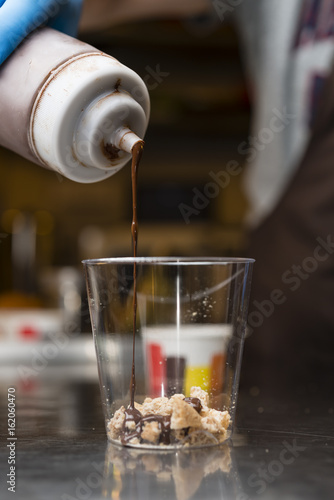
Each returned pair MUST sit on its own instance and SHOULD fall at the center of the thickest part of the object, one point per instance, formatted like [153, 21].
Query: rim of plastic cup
[169, 260]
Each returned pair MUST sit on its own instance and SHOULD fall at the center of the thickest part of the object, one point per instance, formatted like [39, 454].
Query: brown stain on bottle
[110, 151]
[118, 84]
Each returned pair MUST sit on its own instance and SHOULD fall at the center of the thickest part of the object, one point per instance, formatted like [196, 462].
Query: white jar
[71, 108]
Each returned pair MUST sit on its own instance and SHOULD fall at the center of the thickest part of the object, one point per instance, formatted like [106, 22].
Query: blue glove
[18, 18]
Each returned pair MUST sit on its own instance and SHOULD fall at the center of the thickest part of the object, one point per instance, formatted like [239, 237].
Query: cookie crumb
[151, 432]
[203, 396]
[184, 415]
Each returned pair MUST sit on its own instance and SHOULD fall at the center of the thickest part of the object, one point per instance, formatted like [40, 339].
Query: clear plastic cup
[190, 328]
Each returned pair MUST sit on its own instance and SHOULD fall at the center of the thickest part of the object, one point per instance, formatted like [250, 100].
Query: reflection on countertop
[132, 473]
[282, 449]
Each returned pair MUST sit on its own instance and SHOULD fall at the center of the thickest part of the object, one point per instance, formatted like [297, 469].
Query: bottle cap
[102, 140]
[87, 117]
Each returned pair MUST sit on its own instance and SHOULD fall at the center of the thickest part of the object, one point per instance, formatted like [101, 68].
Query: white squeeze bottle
[71, 108]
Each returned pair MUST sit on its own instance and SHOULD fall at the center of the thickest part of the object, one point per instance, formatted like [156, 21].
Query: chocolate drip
[133, 415]
[137, 151]
[164, 426]
[195, 403]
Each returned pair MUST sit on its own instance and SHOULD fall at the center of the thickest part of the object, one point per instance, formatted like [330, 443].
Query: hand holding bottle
[18, 18]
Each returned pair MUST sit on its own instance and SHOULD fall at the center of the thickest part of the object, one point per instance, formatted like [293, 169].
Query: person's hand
[18, 18]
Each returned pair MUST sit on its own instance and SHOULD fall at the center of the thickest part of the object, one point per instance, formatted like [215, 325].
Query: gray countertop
[283, 447]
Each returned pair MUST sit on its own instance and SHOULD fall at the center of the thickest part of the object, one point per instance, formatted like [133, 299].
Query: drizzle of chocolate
[164, 426]
[137, 152]
[131, 415]
[134, 415]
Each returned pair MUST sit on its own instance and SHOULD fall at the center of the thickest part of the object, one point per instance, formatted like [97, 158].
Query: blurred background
[199, 116]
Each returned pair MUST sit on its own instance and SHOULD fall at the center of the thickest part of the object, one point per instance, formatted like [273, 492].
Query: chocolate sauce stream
[137, 152]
